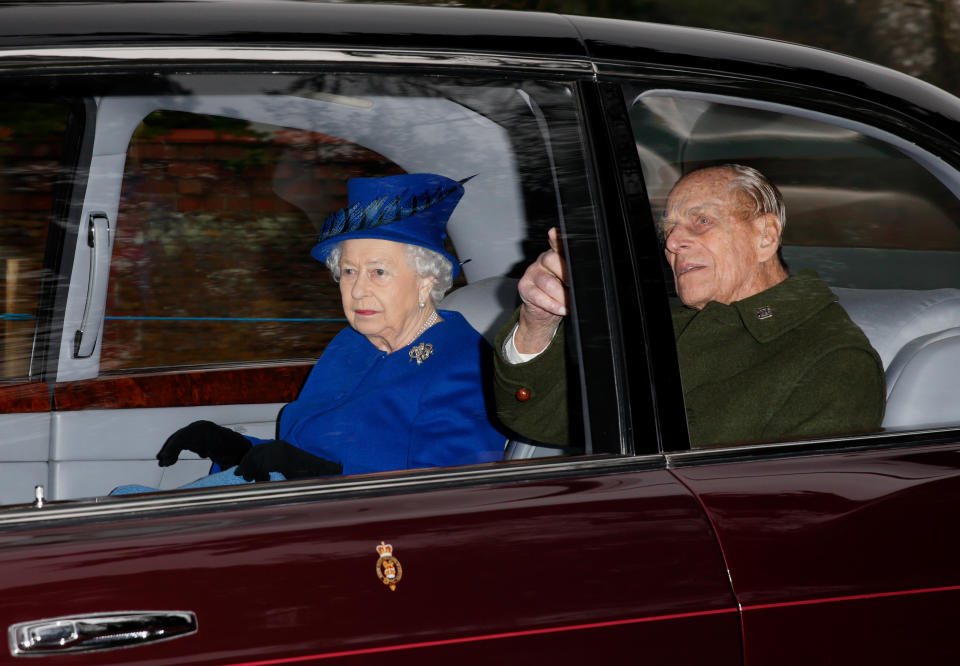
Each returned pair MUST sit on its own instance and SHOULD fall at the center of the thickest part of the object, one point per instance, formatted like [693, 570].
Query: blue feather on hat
[384, 210]
[407, 208]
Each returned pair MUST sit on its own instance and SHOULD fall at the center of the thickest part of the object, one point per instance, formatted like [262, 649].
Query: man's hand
[208, 440]
[543, 290]
[283, 457]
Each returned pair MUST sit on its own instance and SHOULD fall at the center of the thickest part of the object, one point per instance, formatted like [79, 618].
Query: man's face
[712, 249]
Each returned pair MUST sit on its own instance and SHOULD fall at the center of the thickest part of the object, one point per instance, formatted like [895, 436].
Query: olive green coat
[785, 363]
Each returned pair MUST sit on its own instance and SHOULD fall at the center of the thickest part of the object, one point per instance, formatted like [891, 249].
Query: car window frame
[818, 103]
[577, 71]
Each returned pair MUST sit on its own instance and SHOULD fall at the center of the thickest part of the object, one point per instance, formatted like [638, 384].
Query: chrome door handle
[98, 631]
[98, 239]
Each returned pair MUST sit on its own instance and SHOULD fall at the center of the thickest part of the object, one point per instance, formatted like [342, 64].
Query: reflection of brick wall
[222, 225]
[29, 167]
[291, 172]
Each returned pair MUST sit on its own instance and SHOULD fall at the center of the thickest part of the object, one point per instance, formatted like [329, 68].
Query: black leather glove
[280, 456]
[208, 440]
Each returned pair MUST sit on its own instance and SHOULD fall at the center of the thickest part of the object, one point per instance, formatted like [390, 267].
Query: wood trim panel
[23, 398]
[233, 386]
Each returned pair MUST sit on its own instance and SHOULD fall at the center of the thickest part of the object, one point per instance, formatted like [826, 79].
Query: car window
[31, 151]
[876, 217]
[210, 191]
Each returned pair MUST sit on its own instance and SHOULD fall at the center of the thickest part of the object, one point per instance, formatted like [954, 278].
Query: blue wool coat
[372, 411]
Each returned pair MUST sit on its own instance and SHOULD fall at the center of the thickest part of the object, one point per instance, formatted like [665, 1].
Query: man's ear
[768, 235]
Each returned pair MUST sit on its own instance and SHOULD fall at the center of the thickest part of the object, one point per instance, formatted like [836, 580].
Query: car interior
[875, 216]
[129, 312]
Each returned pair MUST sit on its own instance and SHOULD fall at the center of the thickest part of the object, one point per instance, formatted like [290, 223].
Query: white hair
[423, 261]
[755, 187]
[758, 188]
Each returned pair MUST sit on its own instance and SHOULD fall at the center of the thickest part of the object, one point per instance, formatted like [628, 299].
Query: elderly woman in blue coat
[401, 387]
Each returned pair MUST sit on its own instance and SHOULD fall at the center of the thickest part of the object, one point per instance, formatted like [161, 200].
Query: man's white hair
[423, 261]
[758, 188]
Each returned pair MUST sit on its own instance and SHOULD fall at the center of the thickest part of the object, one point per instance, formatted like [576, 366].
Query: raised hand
[543, 290]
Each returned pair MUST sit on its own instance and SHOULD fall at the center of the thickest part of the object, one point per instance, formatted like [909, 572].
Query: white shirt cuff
[510, 352]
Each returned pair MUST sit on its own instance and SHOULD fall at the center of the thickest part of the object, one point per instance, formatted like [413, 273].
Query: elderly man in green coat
[763, 356]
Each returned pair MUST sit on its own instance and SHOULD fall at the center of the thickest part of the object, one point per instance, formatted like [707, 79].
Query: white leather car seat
[486, 304]
[923, 381]
[917, 335]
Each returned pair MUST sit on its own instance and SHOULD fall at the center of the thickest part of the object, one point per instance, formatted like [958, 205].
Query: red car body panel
[828, 545]
[486, 571]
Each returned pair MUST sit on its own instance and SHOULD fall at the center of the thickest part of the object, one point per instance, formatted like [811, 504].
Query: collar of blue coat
[410, 208]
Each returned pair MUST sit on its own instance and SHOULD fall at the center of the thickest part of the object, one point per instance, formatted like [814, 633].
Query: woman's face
[381, 293]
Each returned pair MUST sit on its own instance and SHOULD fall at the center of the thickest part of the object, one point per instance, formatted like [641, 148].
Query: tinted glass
[31, 150]
[860, 210]
[875, 216]
[210, 190]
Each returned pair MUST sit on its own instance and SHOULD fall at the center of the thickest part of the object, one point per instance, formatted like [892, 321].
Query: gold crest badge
[389, 570]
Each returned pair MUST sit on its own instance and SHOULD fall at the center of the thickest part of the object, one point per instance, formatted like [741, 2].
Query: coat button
[523, 394]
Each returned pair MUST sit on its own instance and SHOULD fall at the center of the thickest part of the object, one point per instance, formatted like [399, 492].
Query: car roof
[290, 23]
[698, 48]
[286, 23]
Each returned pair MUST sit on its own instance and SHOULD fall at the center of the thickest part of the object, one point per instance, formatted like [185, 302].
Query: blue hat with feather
[410, 208]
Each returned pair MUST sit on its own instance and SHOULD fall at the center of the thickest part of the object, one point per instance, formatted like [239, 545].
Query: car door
[837, 548]
[579, 558]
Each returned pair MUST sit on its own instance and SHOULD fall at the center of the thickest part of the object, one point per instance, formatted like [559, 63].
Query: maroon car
[164, 167]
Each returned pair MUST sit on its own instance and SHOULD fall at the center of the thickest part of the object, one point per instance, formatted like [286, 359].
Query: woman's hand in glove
[208, 440]
[280, 456]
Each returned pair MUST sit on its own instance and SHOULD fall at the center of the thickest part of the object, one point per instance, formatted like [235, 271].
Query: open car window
[877, 218]
[191, 291]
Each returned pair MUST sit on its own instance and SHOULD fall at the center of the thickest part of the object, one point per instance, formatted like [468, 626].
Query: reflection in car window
[854, 201]
[214, 220]
[869, 215]
[31, 150]
[215, 186]
[218, 211]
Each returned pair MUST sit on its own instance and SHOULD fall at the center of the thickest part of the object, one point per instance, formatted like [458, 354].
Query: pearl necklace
[431, 320]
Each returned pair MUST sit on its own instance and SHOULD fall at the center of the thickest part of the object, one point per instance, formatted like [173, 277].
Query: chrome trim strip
[877, 441]
[233, 496]
[300, 55]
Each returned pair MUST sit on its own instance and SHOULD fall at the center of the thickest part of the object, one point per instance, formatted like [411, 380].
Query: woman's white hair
[424, 262]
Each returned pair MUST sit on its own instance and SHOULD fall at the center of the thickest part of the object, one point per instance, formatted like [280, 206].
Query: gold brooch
[389, 570]
[421, 352]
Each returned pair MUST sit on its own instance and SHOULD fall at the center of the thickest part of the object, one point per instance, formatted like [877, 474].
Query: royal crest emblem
[421, 352]
[389, 570]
